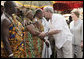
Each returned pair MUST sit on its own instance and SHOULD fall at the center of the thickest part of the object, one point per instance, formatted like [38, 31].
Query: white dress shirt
[59, 23]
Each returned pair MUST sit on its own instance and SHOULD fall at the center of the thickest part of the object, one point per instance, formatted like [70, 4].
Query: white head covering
[2, 3]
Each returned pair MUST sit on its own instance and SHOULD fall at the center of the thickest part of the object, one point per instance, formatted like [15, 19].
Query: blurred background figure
[76, 27]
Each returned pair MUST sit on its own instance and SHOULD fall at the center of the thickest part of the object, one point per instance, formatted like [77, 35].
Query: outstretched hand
[42, 34]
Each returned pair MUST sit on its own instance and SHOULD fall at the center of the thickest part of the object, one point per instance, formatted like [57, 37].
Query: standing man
[46, 52]
[63, 37]
[6, 51]
[34, 27]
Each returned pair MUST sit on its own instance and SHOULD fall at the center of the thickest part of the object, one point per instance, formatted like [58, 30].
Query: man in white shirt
[60, 31]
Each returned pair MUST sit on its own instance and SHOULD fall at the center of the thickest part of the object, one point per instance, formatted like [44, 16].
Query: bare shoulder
[6, 22]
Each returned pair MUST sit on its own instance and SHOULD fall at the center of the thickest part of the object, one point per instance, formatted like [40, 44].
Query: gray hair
[48, 8]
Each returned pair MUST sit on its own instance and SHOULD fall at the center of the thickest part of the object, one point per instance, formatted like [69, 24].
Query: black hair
[9, 5]
[37, 12]
[2, 6]
[70, 18]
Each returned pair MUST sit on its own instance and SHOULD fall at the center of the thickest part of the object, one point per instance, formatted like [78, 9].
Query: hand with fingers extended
[42, 34]
[51, 32]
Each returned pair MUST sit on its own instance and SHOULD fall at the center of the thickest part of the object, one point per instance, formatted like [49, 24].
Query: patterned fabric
[16, 38]
[33, 45]
[3, 52]
[23, 44]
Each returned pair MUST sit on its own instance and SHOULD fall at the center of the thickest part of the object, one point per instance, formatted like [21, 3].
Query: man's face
[46, 14]
[40, 15]
[11, 10]
[30, 15]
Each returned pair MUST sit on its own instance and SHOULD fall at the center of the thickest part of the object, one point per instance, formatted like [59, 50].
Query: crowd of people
[43, 34]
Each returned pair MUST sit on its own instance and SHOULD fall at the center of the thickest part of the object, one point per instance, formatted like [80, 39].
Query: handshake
[51, 32]
[42, 35]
